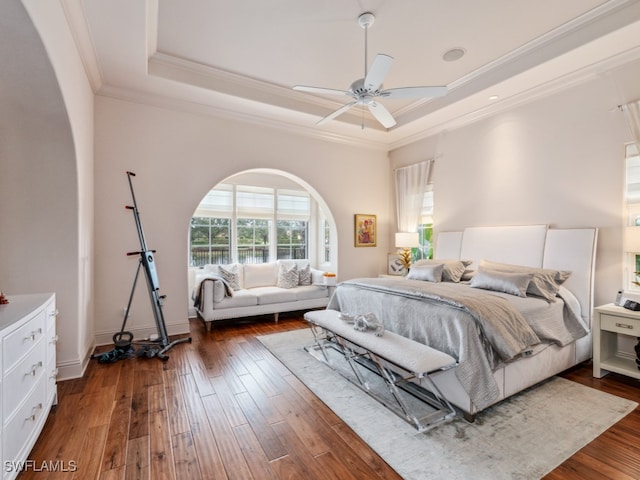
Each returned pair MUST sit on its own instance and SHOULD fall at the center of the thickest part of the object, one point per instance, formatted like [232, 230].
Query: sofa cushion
[241, 298]
[267, 295]
[307, 292]
[260, 275]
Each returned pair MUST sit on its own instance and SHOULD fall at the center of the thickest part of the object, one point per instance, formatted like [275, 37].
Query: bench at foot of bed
[403, 364]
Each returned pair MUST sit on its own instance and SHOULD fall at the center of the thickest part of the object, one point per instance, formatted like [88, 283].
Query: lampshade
[408, 239]
[632, 240]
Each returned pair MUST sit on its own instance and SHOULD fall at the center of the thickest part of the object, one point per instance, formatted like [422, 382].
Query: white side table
[609, 322]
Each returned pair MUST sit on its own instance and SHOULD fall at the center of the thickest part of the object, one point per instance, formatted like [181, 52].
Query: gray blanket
[197, 294]
[479, 328]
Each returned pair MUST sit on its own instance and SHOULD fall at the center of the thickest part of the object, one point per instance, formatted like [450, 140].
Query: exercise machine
[123, 340]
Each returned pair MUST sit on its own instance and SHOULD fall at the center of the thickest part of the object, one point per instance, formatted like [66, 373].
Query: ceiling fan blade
[339, 111]
[382, 114]
[414, 92]
[378, 71]
[321, 91]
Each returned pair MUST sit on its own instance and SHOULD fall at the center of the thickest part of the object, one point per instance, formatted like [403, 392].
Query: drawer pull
[624, 325]
[32, 417]
[54, 313]
[33, 334]
[54, 339]
[34, 369]
[54, 374]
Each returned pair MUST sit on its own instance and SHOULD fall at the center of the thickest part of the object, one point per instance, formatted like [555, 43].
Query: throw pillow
[511, 283]
[545, 282]
[427, 273]
[231, 276]
[304, 275]
[287, 276]
[453, 269]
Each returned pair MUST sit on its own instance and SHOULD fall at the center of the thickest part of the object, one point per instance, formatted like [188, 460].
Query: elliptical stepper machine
[123, 340]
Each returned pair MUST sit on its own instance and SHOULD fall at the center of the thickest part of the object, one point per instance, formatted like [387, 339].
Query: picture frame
[365, 230]
[395, 265]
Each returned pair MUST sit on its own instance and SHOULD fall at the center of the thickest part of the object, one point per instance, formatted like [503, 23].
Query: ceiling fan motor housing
[358, 88]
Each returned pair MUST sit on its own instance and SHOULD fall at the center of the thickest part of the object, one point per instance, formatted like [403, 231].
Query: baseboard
[74, 368]
[143, 332]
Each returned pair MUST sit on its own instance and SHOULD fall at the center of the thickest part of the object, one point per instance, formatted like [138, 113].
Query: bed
[504, 340]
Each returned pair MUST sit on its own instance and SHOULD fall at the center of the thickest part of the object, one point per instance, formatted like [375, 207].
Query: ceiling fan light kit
[365, 90]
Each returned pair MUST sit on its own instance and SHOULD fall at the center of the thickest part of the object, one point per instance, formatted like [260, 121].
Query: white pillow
[427, 273]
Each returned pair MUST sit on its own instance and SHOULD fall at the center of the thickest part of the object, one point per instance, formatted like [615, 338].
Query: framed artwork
[365, 230]
[395, 265]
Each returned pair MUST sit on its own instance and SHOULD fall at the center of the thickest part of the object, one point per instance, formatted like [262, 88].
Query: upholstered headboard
[531, 245]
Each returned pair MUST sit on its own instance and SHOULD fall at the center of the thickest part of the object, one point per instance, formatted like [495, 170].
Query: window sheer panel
[293, 205]
[410, 182]
[217, 203]
[254, 202]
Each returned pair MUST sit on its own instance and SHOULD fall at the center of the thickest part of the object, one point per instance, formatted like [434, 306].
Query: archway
[322, 223]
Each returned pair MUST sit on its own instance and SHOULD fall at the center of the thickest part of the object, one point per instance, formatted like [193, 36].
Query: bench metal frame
[395, 378]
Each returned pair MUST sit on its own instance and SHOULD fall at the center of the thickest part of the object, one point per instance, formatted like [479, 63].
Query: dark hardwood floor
[222, 407]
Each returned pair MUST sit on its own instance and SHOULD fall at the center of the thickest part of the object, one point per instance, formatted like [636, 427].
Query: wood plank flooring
[222, 407]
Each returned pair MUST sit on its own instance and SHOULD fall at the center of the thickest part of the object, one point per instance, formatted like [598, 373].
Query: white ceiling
[240, 58]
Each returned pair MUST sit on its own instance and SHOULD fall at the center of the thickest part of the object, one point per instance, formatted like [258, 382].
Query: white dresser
[28, 382]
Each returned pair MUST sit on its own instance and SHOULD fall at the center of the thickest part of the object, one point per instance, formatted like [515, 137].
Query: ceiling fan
[365, 91]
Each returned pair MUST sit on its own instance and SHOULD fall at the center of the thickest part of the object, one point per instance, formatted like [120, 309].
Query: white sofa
[258, 292]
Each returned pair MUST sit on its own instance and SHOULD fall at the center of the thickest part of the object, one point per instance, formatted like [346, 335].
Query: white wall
[177, 158]
[46, 157]
[557, 161]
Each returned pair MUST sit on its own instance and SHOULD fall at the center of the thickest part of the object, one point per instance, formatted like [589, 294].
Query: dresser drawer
[21, 340]
[26, 421]
[21, 380]
[626, 326]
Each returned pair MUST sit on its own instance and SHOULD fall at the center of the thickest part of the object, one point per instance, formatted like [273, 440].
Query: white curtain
[632, 114]
[411, 182]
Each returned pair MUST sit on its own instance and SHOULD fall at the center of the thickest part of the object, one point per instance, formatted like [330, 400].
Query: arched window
[258, 217]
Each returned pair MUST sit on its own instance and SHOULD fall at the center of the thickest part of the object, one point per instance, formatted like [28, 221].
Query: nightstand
[609, 322]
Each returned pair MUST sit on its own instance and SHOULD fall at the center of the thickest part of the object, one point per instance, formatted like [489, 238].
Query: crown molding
[77, 21]
[291, 127]
[555, 86]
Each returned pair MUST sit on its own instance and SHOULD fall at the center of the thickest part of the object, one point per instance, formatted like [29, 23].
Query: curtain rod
[432, 160]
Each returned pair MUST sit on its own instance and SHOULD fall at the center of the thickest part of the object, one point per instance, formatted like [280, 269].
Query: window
[632, 197]
[425, 228]
[210, 240]
[251, 224]
[253, 240]
[326, 237]
[292, 239]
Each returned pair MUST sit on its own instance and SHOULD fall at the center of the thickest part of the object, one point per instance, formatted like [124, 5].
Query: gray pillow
[304, 275]
[232, 277]
[545, 282]
[427, 273]
[512, 283]
[287, 276]
[453, 269]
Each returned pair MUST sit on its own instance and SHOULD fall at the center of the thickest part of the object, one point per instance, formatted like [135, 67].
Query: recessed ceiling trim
[181, 70]
[296, 128]
[538, 92]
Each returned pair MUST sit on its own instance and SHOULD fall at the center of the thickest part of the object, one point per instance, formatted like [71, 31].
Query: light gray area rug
[524, 437]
